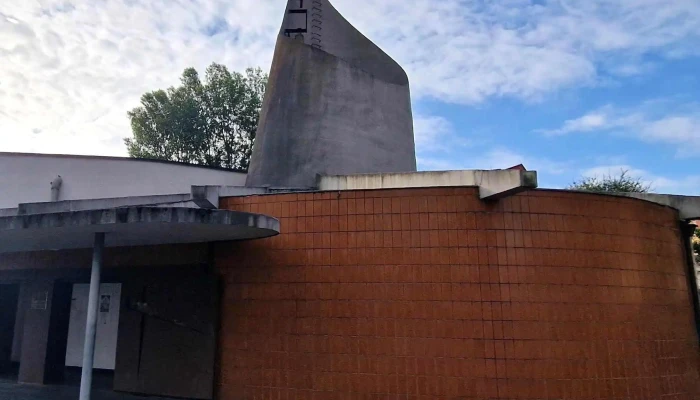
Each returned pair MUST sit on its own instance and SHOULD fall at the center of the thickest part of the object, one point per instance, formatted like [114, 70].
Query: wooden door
[167, 337]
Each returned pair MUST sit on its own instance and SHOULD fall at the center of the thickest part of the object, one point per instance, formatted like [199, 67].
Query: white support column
[91, 326]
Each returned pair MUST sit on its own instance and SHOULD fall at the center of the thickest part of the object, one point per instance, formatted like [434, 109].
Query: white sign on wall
[107, 326]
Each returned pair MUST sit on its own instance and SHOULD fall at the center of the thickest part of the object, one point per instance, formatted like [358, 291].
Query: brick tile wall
[433, 294]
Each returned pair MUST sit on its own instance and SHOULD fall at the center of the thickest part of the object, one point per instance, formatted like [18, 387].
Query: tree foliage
[209, 123]
[622, 183]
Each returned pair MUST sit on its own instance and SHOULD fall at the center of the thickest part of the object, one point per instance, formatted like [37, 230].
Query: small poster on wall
[40, 300]
[105, 301]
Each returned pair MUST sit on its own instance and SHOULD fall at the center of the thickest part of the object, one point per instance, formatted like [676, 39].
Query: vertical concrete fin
[335, 104]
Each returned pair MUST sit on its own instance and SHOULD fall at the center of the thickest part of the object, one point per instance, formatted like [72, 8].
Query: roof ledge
[208, 196]
[492, 184]
[94, 204]
[688, 206]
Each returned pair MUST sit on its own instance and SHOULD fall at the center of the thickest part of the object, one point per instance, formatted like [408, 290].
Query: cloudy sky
[567, 87]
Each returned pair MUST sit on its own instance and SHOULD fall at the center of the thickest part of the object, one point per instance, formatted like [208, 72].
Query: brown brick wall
[433, 294]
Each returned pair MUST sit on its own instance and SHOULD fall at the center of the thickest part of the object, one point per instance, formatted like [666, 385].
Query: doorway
[167, 344]
[55, 371]
[9, 299]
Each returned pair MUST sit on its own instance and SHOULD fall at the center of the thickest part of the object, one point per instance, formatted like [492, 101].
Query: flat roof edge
[116, 158]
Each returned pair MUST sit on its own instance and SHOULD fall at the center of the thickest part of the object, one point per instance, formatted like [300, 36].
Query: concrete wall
[26, 178]
[342, 107]
[430, 293]
[35, 341]
[323, 116]
[329, 31]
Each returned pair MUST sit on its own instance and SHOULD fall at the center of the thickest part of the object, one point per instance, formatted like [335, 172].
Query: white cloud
[679, 128]
[494, 158]
[592, 121]
[603, 119]
[688, 185]
[506, 158]
[435, 134]
[71, 69]
[468, 51]
[430, 130]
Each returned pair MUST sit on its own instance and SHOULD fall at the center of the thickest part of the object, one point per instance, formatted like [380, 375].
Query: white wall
[26, 178]
[107, 326]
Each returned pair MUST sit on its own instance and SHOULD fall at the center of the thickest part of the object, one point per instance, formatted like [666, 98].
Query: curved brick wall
[433, 294]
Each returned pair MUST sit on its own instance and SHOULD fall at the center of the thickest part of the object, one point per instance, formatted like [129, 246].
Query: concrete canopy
[130, 226]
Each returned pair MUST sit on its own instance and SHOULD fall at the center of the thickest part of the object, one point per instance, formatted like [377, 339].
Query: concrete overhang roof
[130, 226]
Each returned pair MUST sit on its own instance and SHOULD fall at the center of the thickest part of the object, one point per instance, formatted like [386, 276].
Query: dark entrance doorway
[9, 298]
[167, 338]
[55, 366]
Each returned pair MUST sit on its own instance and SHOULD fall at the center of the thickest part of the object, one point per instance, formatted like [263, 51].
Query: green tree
[622, 183]
[209, 123]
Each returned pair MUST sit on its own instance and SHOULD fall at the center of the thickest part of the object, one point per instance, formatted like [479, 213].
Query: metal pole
[91, 326]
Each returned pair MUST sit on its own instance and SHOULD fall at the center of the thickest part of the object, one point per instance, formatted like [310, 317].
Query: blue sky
[536, 133]
[567, 87]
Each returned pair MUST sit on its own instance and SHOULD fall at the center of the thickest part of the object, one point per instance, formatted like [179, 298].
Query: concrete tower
[335, 104]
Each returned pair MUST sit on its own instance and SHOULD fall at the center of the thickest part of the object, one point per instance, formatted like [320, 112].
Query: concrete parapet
[492, 184]
[688, 206]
